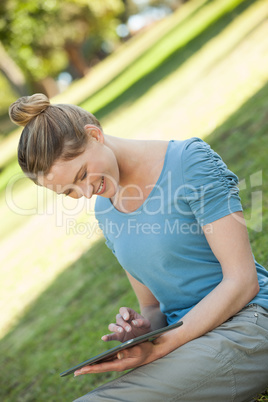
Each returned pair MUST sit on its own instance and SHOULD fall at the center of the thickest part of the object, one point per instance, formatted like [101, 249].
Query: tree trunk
[76, 59]
[47, 86]
[12, 72]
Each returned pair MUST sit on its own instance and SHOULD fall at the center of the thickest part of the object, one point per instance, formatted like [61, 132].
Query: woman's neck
[131, 156]
[140, 164]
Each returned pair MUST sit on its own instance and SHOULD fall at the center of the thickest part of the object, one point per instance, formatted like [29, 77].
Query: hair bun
[26, 108]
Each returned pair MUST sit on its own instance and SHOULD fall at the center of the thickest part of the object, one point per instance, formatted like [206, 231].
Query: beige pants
[227, 364]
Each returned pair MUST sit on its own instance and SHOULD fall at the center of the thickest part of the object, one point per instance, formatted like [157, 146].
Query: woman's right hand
[129, 324]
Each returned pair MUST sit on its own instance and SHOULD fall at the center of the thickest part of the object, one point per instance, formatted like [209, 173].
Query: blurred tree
[12, 72]
[43, 36]
[131, 7]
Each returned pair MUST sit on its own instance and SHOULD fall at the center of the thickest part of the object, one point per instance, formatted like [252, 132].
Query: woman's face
[95, 171]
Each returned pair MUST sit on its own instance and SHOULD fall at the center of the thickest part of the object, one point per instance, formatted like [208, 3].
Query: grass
[162, 50]
[242, 142]
[79, 317]
[59, 294]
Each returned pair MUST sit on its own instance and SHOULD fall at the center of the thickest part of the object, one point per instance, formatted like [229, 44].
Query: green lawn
[203, 72]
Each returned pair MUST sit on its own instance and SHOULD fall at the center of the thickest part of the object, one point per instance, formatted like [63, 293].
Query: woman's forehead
[61, 173]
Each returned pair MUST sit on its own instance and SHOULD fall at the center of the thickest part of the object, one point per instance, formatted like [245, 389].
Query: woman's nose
[87, 190]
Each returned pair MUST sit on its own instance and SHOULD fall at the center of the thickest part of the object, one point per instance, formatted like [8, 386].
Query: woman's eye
[84, 176]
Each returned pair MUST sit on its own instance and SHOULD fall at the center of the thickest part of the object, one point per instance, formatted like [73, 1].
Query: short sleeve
[210, 187]
[108, 243]
[100, 208]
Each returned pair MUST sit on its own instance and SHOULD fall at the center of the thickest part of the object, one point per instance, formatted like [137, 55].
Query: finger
[133, 352]
[141, 322]
[122, 323]
[115, 328]
[115, 365]
[110, 337]
[125, 313]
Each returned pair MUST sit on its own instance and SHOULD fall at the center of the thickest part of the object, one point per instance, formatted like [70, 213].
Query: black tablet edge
[131, 342]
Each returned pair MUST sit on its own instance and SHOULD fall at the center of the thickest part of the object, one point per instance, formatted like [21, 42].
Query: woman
[171, 214]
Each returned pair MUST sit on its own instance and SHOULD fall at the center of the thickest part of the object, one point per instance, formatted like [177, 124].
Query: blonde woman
[171, 214]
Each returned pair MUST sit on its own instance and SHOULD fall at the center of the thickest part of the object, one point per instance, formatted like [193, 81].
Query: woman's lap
[227, 364]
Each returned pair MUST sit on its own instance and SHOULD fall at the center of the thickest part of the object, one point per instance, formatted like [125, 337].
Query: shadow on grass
[172, 63]
[122, 71]
[242, 143]
[242, 138]
[62, 328]
[64, 325]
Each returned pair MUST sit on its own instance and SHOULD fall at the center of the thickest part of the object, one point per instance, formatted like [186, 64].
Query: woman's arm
[149, 305]
[228, 239]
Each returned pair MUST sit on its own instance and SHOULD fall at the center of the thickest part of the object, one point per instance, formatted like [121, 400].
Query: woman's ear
[94, 132]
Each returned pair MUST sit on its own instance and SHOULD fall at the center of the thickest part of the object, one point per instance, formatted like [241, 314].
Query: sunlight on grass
[160, 52]
[193, 101]
[190, 101]
[54, 272]
[126, 54]
[36, 253]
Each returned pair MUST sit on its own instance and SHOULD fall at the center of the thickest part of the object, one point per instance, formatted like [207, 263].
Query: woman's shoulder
[179, 149]
[186, 144]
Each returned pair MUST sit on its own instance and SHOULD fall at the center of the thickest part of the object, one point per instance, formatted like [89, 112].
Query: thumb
[120, 355]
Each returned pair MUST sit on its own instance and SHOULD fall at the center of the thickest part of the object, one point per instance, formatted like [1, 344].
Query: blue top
[162, 244]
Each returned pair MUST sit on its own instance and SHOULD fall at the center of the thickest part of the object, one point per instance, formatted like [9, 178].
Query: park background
[181, 69]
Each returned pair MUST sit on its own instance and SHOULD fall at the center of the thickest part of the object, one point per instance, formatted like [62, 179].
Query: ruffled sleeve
[210, 187]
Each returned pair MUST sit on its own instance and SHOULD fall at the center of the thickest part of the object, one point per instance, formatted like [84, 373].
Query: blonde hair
[51, 132]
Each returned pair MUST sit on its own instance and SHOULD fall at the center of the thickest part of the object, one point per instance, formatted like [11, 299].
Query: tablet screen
[110, 353]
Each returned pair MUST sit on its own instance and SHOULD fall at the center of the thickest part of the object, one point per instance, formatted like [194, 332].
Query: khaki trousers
[227, 364]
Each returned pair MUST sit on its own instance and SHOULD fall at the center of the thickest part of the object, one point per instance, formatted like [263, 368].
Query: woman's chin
[111, 193]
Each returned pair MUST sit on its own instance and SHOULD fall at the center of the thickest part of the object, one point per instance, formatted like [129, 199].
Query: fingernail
[125, 316]
[76, 373]
[128, 329]
[120, 329]
[120, 355]
[135, 322]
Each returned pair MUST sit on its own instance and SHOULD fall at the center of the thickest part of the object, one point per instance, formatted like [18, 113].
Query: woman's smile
[102, 186]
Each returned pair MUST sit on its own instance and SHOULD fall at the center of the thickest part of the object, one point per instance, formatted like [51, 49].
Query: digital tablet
[110, 353]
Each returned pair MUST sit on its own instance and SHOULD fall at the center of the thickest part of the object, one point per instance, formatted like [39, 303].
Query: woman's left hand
[130, 358]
